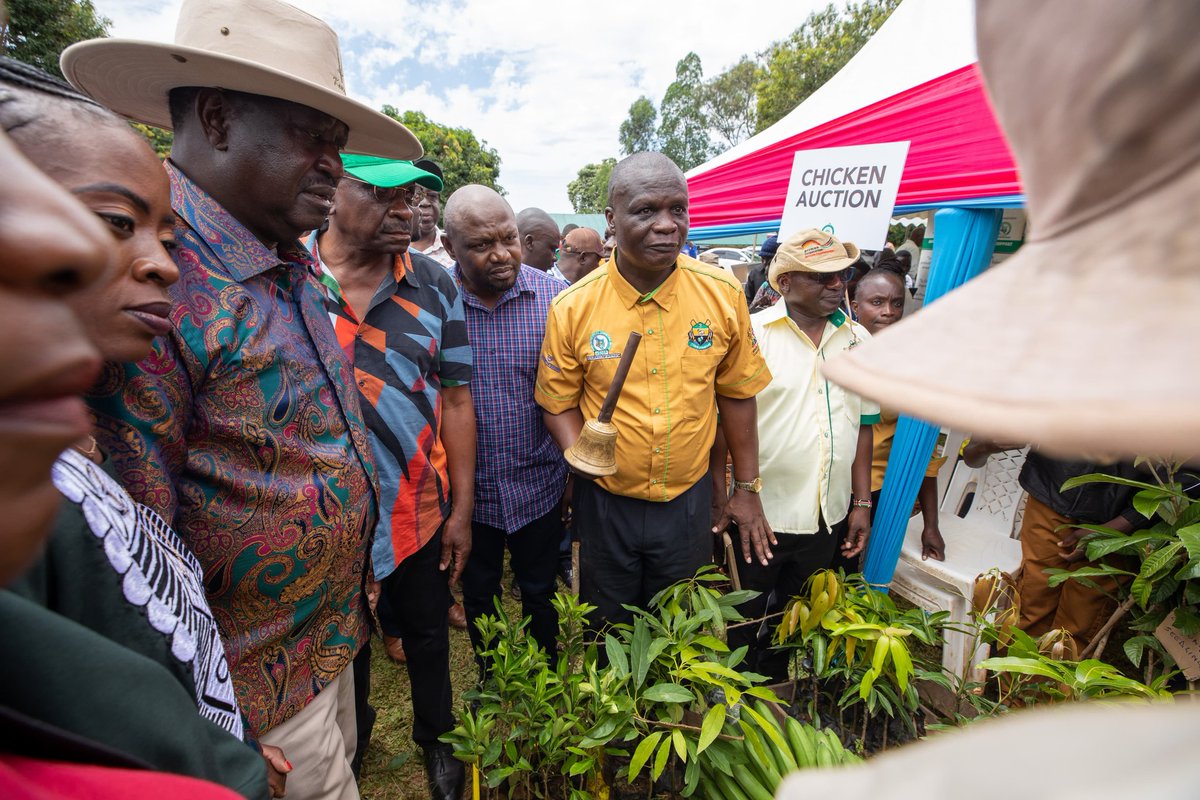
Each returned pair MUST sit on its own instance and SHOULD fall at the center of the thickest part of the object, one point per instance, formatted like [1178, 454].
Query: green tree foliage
[637, 132]
[800, 64]
[730, 102]
[898, 233]
[698, 119]
[37, 31]
[463, 158]
[588, 193]
[683, 127]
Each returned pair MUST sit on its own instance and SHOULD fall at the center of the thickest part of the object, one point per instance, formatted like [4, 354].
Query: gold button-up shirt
[696, 343]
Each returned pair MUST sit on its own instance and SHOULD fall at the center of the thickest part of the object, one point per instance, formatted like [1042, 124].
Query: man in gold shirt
[649, 525]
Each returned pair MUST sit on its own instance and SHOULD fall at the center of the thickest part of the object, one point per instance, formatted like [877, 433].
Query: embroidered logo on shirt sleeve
[601, 344]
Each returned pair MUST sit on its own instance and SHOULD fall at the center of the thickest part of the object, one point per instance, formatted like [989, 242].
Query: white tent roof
[920, 41]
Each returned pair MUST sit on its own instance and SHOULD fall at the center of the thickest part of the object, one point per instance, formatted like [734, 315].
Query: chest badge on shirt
[700, 335]
[601, 344]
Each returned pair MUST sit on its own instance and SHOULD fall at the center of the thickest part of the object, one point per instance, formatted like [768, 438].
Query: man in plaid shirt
[520, 474]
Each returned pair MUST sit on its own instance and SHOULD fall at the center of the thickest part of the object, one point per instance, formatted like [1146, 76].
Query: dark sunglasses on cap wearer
[411, 194]
[829, 278]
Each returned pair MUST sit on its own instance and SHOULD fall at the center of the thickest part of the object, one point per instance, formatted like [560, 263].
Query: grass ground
[393, 768]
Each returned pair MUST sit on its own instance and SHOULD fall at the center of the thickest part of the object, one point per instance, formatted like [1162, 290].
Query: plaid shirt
[519, 470]
[410, 343]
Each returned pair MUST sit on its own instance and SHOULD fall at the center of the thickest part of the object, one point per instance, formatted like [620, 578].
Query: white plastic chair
[976, 543]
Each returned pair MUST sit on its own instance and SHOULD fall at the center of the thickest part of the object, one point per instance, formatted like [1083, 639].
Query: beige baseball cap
[811, 251]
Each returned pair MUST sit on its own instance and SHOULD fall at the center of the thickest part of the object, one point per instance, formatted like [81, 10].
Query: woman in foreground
[112, 567]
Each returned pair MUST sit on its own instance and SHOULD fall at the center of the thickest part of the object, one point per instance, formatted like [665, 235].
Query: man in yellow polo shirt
[815, 437]
[649, 525]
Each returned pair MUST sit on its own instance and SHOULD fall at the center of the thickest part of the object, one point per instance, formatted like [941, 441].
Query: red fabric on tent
[957, 152]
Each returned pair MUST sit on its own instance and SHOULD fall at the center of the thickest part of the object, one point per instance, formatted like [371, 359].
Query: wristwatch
[754, 486]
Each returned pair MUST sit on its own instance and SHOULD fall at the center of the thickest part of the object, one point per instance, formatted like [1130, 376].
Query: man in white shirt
[912, 245]
[814, 437]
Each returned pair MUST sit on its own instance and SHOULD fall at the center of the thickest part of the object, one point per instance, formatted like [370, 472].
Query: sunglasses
[386, 195]
[828, 278]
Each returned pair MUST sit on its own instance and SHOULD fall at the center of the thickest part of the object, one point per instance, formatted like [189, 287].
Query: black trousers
[413, 602]
[631, 549]
[796, 558]
[364, 712]
[534, 554]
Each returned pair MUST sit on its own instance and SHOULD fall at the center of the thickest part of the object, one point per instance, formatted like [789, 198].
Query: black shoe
[445, 773]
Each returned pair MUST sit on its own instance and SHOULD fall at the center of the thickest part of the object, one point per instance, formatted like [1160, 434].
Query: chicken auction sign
[846, 191]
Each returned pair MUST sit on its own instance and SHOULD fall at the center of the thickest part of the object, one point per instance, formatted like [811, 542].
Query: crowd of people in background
[317, 402]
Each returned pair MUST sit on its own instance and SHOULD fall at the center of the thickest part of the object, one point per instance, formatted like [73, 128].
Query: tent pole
[966, 239]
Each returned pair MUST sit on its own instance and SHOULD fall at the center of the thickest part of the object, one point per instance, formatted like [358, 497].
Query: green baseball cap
[388, 172]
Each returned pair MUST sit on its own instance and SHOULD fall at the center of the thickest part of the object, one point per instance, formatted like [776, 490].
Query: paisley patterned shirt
[243, 430]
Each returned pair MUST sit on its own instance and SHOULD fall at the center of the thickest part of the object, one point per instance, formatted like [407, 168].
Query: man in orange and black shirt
[399, 317]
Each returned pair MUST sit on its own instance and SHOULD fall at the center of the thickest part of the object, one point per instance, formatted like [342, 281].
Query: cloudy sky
[547, 84]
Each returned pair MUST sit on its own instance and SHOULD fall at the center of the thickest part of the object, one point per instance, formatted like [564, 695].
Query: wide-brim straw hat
[262, 47]
[1081, 342]
[811, 251]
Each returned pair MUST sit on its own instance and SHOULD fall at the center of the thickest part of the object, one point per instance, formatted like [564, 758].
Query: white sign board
[846, 191]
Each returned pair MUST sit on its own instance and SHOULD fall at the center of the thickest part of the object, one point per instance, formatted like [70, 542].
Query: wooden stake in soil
[575, 567]
[731, 561]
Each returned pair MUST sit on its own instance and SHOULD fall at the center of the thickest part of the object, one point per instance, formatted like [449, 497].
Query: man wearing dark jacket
[1050, 536]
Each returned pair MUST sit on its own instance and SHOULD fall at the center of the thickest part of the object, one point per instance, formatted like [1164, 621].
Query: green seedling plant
[524, 728]
[1155, 569]
[1038, 672]
[760, 750]
[851, 643]
[679, 674]
[644, 696]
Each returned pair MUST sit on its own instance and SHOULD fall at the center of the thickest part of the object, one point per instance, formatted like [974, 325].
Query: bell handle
[618, 381]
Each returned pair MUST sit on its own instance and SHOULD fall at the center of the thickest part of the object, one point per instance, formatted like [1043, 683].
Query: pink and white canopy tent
[915, 80]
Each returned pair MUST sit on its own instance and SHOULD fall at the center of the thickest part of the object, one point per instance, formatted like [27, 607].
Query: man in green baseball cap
[399, 318]
[388, 172]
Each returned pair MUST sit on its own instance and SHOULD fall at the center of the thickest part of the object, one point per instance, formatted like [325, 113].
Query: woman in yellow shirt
[878, 301]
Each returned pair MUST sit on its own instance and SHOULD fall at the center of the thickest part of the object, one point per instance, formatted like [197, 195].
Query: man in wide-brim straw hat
[243, 429]
[814, 438]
